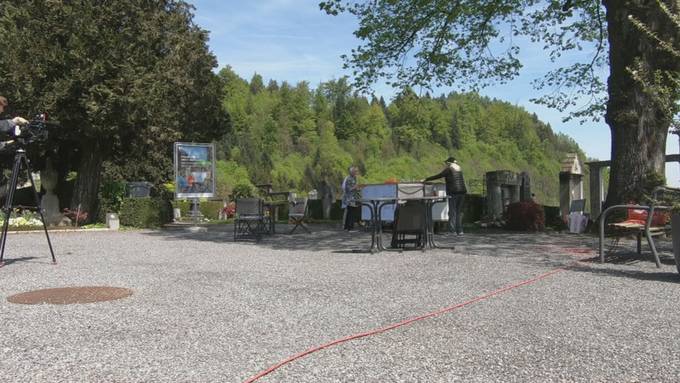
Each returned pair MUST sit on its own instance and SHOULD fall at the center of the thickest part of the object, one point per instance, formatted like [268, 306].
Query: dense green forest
[296, 137]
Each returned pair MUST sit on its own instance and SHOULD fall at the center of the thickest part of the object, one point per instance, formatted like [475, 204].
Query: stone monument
[49, 201]
[571, 182]
[504, 187]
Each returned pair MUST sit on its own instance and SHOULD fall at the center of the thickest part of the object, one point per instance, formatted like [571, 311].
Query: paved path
[205, 309]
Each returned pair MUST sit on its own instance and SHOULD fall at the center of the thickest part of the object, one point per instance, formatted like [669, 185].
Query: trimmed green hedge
[145, 212]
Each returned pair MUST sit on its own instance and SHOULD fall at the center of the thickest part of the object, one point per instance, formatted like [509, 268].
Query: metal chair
[410, 219]
[648, 220]
[297, 212]
[250, 219]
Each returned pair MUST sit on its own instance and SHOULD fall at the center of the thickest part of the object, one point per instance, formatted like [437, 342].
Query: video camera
[35, 131]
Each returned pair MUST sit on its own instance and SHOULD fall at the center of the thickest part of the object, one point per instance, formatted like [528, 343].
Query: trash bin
[139, 189]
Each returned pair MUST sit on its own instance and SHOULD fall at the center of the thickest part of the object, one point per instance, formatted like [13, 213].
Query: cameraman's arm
[7, 127]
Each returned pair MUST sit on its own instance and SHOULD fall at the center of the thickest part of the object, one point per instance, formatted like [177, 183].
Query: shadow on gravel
[9, 261]
[545, 249]
[656, 276]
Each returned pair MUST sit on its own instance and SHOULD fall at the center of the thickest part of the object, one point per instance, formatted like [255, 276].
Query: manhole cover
[70, 295]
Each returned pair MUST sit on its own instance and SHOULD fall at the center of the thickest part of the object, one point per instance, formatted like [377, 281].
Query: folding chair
[409, 219]
[297, 212]
[250, 220]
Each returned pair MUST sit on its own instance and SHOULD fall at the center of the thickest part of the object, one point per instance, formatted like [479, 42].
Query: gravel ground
[206, 309]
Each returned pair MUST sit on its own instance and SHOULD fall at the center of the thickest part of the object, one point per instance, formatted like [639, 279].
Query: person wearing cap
[7, 126]
[455, 190]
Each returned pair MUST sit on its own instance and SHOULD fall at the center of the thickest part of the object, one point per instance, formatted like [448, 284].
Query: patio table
[272, 207]
[375, 206]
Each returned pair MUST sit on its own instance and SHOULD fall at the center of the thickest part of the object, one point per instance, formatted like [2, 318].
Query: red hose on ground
[400, 324]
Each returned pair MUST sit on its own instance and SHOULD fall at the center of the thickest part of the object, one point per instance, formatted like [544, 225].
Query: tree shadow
[546, 249]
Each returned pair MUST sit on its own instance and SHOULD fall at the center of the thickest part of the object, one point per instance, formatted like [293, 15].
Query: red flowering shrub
[525, 216]
[77, 217]
[230, 209]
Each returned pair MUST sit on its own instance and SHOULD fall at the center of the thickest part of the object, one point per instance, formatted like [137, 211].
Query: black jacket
[455, 183]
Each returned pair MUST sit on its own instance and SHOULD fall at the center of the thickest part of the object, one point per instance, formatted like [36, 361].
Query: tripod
[20, 161]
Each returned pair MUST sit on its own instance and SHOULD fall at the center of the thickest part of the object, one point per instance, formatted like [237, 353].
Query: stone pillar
[494, 201]
[495, 182]
[571, 188]
[327, 198]
[596, 192]
[525, 187]
[50, 202]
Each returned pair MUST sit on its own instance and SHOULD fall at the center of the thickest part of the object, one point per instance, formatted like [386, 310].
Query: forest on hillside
[296, 137]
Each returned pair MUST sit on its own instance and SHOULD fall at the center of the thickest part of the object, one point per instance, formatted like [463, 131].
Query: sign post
[194, 173]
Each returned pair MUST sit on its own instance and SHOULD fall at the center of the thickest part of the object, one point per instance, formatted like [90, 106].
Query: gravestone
[504, 187]
[49, 202]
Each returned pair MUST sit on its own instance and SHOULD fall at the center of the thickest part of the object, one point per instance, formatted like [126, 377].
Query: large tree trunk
[638, 122]
[86, 187]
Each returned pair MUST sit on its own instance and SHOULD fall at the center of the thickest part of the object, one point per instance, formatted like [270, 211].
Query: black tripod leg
[39, 207]
[11, 188]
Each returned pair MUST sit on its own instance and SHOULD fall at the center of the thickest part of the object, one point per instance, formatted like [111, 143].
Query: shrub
[525, 216]
[145, 212]
[244, 191]
[76, 216]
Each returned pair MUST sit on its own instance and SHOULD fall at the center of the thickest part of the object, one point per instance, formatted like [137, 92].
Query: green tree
[125, 79]
[445, 42]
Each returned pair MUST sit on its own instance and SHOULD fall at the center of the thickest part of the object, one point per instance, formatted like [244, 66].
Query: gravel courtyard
[206, 309]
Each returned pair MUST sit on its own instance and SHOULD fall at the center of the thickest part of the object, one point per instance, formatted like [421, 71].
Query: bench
[649, 220]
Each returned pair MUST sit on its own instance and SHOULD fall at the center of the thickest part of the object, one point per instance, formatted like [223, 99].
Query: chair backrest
[410, 216]
[297, 207]
[407, 191]
[248, 206]
[577, 206]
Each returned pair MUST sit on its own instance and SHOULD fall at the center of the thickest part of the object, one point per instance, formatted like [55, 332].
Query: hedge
[145, 212]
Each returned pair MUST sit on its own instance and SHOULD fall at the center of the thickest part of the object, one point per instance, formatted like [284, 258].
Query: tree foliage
[289, 136]
[124, 79]
[477, 42]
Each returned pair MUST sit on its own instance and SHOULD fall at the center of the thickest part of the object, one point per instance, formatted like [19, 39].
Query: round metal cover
[70, 295]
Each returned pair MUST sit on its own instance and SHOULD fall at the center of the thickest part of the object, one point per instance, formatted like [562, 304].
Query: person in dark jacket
[7, 126]
[455, 190]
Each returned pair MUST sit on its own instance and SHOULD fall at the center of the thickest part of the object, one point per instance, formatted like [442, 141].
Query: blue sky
[293, 40]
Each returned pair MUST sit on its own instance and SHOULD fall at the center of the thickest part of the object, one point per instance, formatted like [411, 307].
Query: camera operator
[7, 126]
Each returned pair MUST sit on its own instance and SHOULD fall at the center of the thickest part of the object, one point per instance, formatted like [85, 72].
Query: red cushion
[660, 218]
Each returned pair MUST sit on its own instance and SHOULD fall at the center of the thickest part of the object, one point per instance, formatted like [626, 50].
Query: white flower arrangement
[22, 222]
